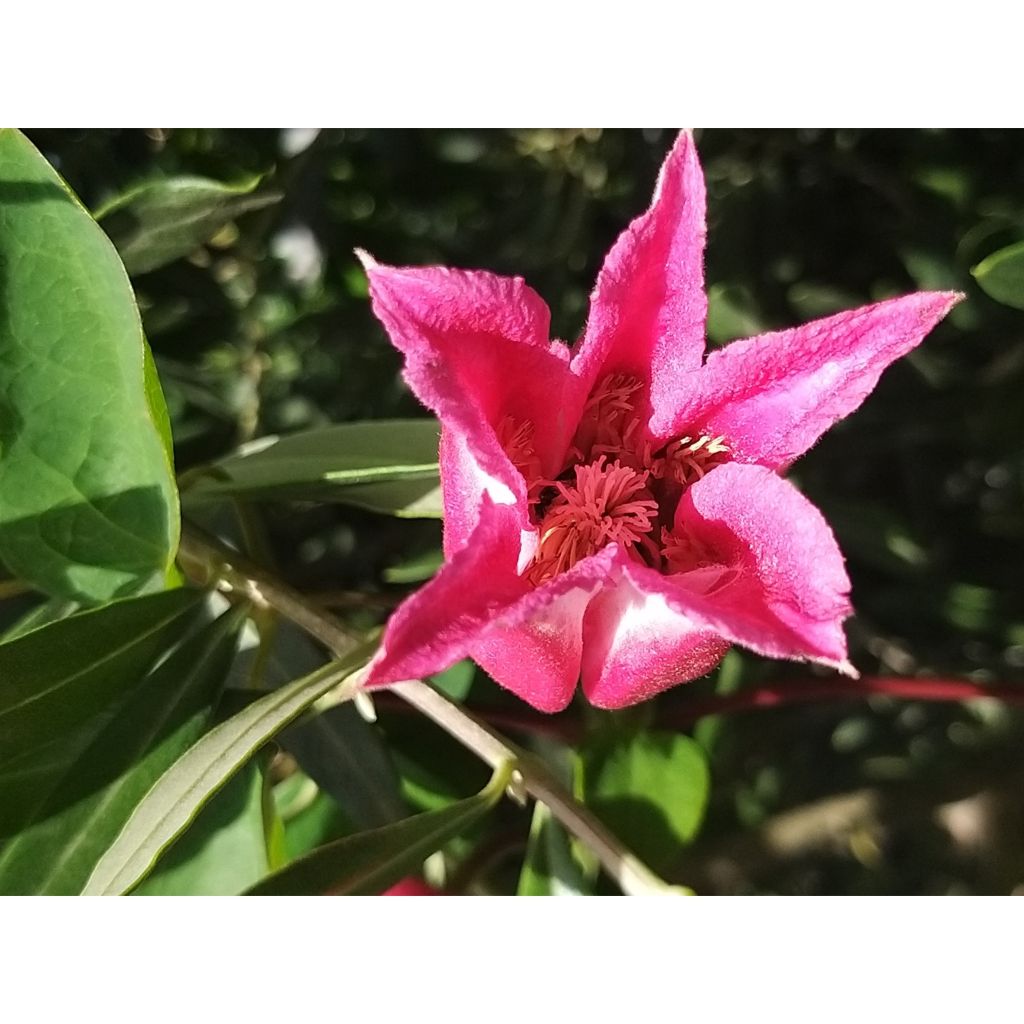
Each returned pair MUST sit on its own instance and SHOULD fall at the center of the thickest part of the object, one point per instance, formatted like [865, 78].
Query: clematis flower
[614, 511]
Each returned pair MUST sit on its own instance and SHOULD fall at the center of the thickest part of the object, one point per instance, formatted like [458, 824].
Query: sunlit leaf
[83, 805]
[181, 792]
[61, 675]
[89, 508]
[383, 465]
[651, 789]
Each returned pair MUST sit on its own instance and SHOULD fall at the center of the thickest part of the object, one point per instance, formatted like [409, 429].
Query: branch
[204, 559]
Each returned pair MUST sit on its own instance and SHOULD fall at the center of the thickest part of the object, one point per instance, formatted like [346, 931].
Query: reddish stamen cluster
[618, 485]
[607, 503]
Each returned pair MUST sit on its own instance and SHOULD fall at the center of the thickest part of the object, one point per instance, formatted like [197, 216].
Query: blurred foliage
[265, 328]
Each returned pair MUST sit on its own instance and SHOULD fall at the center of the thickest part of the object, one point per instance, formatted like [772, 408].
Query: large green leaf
[163, 220]
[88, 505]
[652, 790]
[59, 676]
[1001, 275]
[224, 850]
[182, 791]
[383, 465]
[84, 807]
[369, 862]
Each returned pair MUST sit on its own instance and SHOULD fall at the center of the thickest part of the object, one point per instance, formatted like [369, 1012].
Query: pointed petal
[773, 396]
[648, 308]
[637, 644]
[435, 627]
[477, 350]
[773, 577]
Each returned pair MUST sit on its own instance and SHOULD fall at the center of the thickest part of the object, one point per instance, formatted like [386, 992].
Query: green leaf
[347, 758]
[161, 221]
[181, 792]
[651, 789]
[43, 614]
[1001, 275]
[550, 868]
[386, 466]
[223, 851]
[61, 675]
[83, 806]
[344, 754]
[89, 508]
[369, 862]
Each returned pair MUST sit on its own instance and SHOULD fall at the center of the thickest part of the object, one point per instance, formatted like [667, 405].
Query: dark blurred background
[267, 329]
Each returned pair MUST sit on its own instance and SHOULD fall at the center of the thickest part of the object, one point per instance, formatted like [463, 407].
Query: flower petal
[530, 640]
[434, 627]
[637, 644]
[477, 350]
[772, 577]
[534, 648]
[648, 308]
[773, 396]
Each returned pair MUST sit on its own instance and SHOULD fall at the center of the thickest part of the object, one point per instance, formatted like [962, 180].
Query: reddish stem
[803, 690]
[794, 691]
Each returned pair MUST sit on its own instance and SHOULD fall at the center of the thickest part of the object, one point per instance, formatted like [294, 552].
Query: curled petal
[648, 308]
[773, 396]
[637, 644]
[767, 572]
[534, 648]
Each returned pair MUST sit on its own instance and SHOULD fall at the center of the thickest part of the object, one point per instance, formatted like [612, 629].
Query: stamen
[516, 439]
[683, 552]
[609, 503]
[687, 460]
[609, 425]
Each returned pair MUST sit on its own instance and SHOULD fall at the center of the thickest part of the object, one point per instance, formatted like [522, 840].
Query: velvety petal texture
[648, 308]
[773, 396]
[637, 644]
[564, 563]
[772, 577]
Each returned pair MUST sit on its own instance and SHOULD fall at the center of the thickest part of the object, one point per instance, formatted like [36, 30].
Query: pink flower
[613, 511]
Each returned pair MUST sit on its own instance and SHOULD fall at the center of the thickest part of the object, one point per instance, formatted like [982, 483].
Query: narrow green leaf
[43, 614]
[224, 850]
[85, 805]
[346, 758]
[61, 675]
[652, 790]
[181, 792]
[88, 504]
[386, 466]
[550, 869]
[161, 221]
[1001, 275]
[369, 862]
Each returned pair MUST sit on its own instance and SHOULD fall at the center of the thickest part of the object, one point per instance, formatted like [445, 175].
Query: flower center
[618, 486]
[607, 503]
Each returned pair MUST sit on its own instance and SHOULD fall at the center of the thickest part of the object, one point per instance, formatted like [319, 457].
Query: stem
[682, 715]
[203, 557]
[797, 691]
[632, 876]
